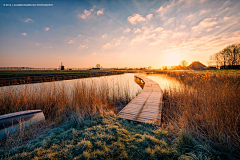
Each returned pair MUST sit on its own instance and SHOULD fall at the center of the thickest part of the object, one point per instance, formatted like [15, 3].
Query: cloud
[155, 43]
[204, 24]
[71, 41]
[37, 44]
[159, 29]
[127, 30]
[136, 18]
[203, 12]
[79, 35]
[82, 46]
[104, 36]
[118, 40]
[149, 16]
[24, 34]
[47, 47]
[94, 53]
[139, 38]
[137, 30]
[100, 11]
[46, 28]
[28, 20]
[106, 46]
[86, 14]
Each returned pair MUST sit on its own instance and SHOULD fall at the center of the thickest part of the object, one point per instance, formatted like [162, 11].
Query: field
[197, 123]
[222, 71]
[36, 72]
[26, 77]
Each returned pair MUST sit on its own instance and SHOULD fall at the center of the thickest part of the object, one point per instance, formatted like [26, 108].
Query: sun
[173, 59]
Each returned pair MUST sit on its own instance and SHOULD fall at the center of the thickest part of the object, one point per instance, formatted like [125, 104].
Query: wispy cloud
[86, 14]
[46, 28]
[104, 36]
[149, 16]
[38, 44]
[136, 18]
[106, 46]
[137, 30]
[71, 41]
[100, 11]
[208, 22]
[82, 46]
[28, 20]
[127, 30]
[24, 34]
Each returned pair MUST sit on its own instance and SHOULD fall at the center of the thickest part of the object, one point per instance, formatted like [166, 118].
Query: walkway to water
[147, 106]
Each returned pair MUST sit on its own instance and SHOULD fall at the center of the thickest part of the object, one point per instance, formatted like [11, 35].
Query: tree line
[228, 57]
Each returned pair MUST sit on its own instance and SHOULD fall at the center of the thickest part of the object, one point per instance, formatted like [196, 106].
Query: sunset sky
[118, 33]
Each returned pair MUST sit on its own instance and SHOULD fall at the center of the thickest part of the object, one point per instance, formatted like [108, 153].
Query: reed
[208, 107]
[57, 101]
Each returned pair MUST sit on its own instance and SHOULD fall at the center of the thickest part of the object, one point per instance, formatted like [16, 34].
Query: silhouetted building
[196, 65]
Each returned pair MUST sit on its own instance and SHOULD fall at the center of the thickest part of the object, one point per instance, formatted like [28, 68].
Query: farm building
[196, 65]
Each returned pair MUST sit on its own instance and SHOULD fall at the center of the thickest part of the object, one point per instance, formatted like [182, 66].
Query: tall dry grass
[56, 101]
[210, 111]
[61, 104]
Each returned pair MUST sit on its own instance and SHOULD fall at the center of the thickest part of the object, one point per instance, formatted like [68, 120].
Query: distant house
[196, 65]
[95, 69]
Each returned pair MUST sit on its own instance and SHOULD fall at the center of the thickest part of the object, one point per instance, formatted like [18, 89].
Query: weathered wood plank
[147, 106]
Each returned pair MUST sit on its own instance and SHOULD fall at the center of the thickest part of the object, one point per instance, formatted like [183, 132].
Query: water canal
[113, 83]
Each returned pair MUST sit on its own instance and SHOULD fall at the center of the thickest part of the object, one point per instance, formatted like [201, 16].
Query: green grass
[108, 137]
[44, 72]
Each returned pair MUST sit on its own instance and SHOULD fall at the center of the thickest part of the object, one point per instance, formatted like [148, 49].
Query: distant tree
[98, 65]
[150, 67]
[183, 63]
[230, 55]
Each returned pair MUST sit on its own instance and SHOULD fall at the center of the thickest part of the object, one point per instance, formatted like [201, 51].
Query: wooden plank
[146, 107]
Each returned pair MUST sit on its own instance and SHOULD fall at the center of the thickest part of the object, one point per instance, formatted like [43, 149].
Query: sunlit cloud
[100, 11]
[159, 29]
[46, 28]
[104, 36]
[106, 46]
[208, 22]
[136, 18]
[203, 12]
[24, 34]
[137, 30]
[127, 30]
[82, 46]
[71, 41]
[37, 44]
[86, 14]
[28, 20]
[149, 16]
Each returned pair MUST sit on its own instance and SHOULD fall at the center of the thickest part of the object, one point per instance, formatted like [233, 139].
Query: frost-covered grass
[108, 137]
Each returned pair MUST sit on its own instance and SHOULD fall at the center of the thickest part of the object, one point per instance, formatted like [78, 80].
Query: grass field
[222, 71]
[108, 137]
[2, 73]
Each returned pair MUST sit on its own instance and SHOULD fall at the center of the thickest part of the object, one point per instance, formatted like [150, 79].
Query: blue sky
[120, 33]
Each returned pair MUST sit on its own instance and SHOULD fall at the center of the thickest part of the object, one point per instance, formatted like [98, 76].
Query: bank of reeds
[84, 98]
[61, 104]
[209, 111]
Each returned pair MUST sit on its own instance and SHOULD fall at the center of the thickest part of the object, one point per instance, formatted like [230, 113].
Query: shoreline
[7, 80]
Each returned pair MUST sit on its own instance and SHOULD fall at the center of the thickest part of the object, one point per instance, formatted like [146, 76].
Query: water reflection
[111, 83]
[166, 81]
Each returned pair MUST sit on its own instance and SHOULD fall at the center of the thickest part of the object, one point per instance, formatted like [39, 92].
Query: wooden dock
[147, 106]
